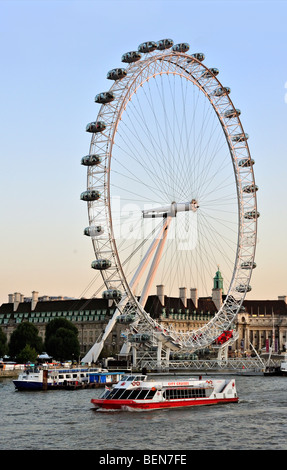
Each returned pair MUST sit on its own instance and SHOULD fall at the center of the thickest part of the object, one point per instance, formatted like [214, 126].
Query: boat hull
[153, 405]
[29, 385]
[34, 386]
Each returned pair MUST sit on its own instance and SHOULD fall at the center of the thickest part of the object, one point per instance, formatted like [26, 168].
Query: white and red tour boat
[136, 392]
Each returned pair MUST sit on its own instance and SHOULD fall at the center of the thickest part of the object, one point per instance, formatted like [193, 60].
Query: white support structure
[158, 242]
[155, 263]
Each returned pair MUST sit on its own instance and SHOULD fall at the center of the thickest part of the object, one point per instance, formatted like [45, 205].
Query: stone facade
[89, 316]
[260, 322]
[263, 323]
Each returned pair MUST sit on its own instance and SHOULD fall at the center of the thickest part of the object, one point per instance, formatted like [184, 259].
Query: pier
[242, 366]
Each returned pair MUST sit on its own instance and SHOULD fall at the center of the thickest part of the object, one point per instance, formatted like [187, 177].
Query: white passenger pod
[104, 97]
[243, 288]
[130, 57]
[139, 338]
[198, 56]
[181, 47]
[116, 74]
[164, 44]
[91, 160]
[251, 215]
[221, 91]
[250, 188]
[246, 162]
[147, 46]
[126, 319]
[240, 137]
[248, 265]
[101, 264]
[93, 231]
[112, 294]
[232, 113]
[94, 127]
[210, 73]
[90, 195]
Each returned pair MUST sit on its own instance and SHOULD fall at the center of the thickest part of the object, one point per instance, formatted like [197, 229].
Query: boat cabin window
[176, 393]
[131, 378]
[123, 394]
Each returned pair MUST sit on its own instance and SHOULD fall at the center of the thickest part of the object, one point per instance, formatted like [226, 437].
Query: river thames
[66, 420]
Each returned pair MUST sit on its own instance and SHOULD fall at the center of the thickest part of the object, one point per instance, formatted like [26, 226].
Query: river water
[66, 420]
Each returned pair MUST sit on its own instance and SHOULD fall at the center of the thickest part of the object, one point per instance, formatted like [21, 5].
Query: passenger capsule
[96, 127]
[116, 74]
[232, 113]
[90, 195]
[164, 44]
[181, 47]
[148, 46]
[93, 231]
[126, 319]
[112, 294]
[248, 265]
[130, 57]
[246, 162]
[104, 97]
[240, 137]
[243, 288]
[91, 160]
[210, 73]
[139, 338]
[251, 215]
[101, 264]
[199, 56]
[221, 91]
[250, 188]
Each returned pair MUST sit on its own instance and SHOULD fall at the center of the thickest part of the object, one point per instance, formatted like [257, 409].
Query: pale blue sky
[54, 59]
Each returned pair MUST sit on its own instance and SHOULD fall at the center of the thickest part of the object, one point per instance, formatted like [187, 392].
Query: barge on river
[136, 392]
[65, 379]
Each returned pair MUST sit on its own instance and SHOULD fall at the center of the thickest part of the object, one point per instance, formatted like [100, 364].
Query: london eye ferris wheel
[170, 191]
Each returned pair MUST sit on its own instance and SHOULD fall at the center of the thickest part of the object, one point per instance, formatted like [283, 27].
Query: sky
[55, 55]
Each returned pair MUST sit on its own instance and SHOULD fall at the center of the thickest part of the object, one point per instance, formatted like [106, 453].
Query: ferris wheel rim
[134, 72]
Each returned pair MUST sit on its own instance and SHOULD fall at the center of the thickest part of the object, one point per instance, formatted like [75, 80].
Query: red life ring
[135, 383]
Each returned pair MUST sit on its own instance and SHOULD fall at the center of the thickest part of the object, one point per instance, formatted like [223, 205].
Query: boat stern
[225, 390]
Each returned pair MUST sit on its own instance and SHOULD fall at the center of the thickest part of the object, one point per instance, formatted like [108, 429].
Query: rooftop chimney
[182, 296]
[34, 299]
[160, 293]
[193, 296]
[17, 299]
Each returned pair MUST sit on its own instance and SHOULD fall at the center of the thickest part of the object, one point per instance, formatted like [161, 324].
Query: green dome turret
[218, 281]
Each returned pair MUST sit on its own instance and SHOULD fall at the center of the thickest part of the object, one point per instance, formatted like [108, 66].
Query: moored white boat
[136, 392]
[283, 368]
[52, 379]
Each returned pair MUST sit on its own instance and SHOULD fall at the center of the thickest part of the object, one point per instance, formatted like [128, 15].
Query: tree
[25, 334]
[61, 340]
[28, 354]
[3, 343]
